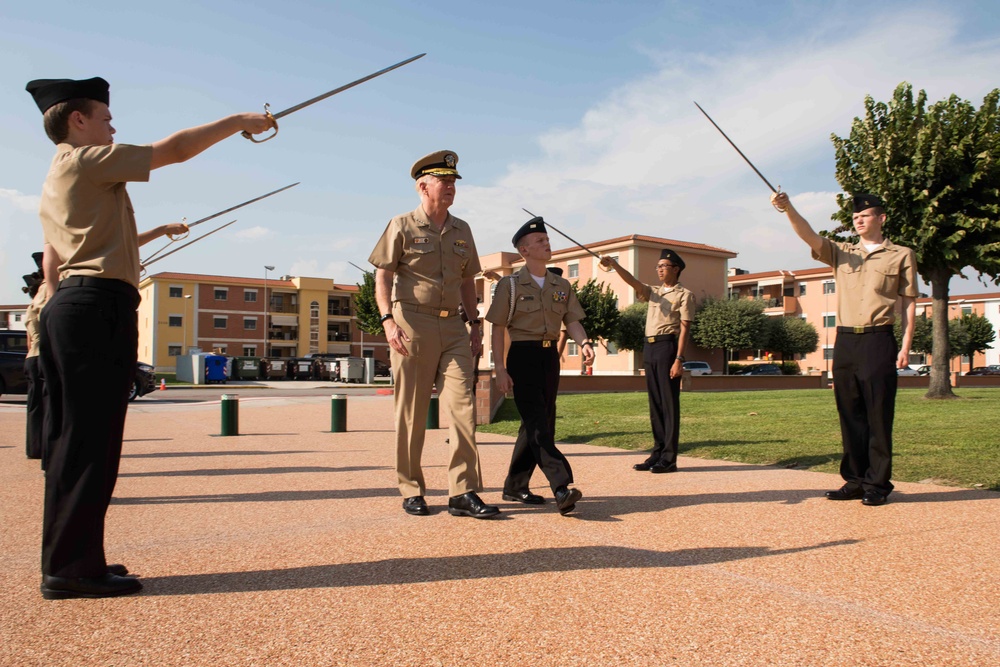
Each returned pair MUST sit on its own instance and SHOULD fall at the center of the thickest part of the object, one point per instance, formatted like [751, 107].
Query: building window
[572, 350]
[250, 323]
[176, 292]
[221, 293]
[829, 321]
[249, 350]
[175, 321]
[828, 353]
[966, 310]
[220, 348]
[173, 350]
[612, 349]
[17, 317]
[250, 295]
[574, 270]
[802, 289]
[219, 322]
[829, 287]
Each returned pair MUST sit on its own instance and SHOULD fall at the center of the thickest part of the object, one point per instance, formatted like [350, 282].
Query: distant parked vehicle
[924, 370]
[982, 370]
[382, 369]
[760, 369]
[907, 372]
[13, 350]
[697, 367]
[144, 382]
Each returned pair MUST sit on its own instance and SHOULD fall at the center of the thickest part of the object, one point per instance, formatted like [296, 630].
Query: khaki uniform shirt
[539, 312]
[86, 213]
[31, 319]
[869, 283]
[429, 265]
[667, 307]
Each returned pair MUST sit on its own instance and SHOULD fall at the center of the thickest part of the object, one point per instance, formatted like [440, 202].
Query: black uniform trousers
[664, 400]
[535, 372]
[864, 385]
[35, 411]
[88, 349]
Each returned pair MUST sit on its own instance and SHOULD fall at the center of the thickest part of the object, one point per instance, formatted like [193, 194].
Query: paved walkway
[287, 546]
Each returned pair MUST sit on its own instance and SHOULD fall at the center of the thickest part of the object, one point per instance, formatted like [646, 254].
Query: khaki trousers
[439, 356]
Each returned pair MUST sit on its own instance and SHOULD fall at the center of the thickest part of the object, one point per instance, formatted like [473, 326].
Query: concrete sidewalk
[287, 545]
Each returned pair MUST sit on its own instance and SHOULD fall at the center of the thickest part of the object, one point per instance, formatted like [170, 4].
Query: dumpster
[300, 369]
[352, 369]
[215, 369]
[326, 369]
[245, 368]
[273, 368]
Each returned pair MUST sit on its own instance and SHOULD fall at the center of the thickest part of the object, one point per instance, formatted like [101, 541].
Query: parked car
[982, 370]
[924, 370]
[13, 350]
[382, 369]
[760, 369]
[697, 367]
[144, 382]
[907, 372]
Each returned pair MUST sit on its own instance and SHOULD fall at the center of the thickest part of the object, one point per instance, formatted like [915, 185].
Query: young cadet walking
[426, 264]
[668, 328]
[88, 330]
[872, 277]
[533, 305]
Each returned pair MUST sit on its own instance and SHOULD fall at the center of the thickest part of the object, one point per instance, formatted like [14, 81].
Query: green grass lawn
[953, 442]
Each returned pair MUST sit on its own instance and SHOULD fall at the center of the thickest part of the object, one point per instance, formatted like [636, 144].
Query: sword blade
[736, 147]
[571, 239]
[233, 208]
[165, 255]
[333, 92]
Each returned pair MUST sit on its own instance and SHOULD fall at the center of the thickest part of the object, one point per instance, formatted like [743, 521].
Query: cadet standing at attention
[533, 304]
[88, 333]
[668, 331]
[33, 401]
[871, 276]
[425, 265]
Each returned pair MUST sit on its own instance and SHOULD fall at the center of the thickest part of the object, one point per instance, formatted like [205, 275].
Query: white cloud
[19, 201]
[254, 234]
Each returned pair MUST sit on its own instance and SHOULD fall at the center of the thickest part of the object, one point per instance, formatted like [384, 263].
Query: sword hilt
[267, 112]
[182, 235]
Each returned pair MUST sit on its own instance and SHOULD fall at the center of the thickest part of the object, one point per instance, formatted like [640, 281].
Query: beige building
[285, 317]
[705, 275]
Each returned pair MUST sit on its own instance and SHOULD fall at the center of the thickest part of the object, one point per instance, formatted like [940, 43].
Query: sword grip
[267, 112]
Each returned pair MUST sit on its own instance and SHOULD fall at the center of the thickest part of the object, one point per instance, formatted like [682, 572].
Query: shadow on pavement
[263, 496]
[227, 452]
[217, 472]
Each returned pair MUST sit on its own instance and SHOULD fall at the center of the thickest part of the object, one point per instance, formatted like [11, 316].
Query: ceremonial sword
[741, 154]
[181, 237]
[571, 239]
[290, 110]
[154, 261]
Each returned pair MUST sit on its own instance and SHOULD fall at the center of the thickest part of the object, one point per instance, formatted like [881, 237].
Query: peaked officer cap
[536, 224]
[49, 92]
[441, 163]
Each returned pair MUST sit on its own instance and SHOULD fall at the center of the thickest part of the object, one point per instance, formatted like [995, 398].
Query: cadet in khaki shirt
[668, 329]
[532, 305]
[873, 277]
[426, 263]
[88, 333]
[33, 401]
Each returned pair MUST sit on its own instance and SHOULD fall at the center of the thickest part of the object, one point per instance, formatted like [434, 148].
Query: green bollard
[432, 412]
[338, 413]
[230, 414]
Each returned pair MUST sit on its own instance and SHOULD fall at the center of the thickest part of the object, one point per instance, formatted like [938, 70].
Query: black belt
[533, 343]
[109, 284]
[864, 330]
[661, 338]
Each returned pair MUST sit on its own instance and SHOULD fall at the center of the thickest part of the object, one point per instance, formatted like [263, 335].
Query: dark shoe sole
[61, 594]
[483, 515]
[874, 502]
[642, 467]
[659, 470]
[117, 569]
[569, 502]
[837, 495]
[534, 500]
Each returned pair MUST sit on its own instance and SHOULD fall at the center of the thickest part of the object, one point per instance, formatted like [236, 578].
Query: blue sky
[579, 111]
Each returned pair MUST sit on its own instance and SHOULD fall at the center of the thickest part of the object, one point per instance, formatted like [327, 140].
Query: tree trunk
[940, 379]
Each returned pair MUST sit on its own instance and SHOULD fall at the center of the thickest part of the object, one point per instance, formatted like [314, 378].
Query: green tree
[973, 333]
[923, 334]
[601, 306]
[366, 308]
[730, 324]
[938, 171]
[631, 333]
[790, 335]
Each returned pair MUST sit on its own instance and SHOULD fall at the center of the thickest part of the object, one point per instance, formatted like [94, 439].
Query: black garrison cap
[536, 224]
[672, 257]
[865, 201]
[556, 270]
[49, 92]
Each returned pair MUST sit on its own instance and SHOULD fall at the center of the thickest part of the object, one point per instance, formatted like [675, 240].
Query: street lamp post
[266, 303]
[187, 300]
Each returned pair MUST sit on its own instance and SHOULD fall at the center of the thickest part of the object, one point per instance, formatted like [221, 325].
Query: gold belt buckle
[546, 343]
[651, 339]
[443, 313]
[859, 330]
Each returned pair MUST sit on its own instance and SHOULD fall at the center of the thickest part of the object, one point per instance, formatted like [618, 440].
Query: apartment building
[289, 316]
[12, 317]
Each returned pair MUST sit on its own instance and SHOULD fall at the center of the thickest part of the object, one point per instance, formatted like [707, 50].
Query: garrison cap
[37, 256]
[49, 92]
[556, 270]
[536, 224]
[672, 257]
[865, 201]
[441, 163]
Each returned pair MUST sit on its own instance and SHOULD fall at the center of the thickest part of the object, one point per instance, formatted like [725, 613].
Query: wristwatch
[681, 359]
[387, 316]
[476, 321]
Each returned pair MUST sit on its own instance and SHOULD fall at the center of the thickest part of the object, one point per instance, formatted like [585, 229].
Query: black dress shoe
[660, 468]
[117, 569]
[642, 467]
[566, 499]
[874, 498]
[526, 497]
[108, 586]
[846, 492]
[416, 506]
[471, 505]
